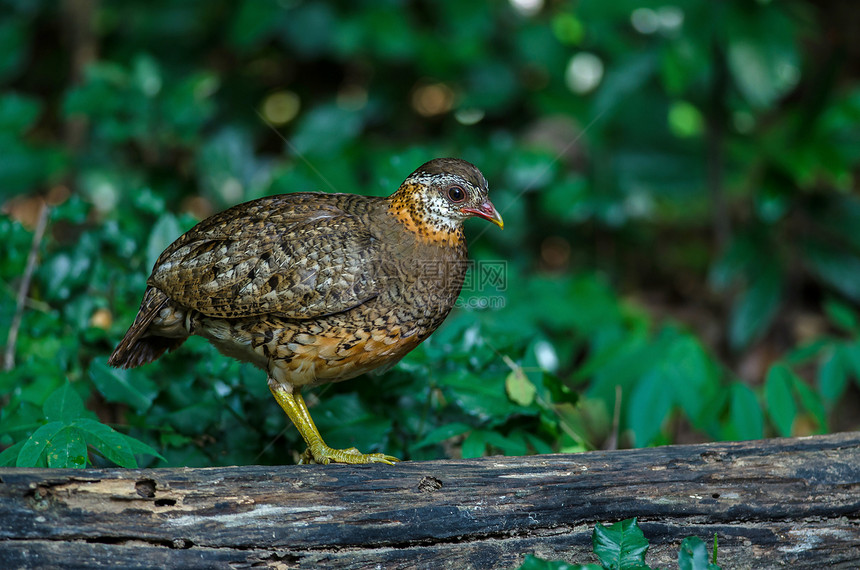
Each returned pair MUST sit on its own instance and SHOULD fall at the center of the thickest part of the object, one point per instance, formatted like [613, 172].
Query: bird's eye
[456, 194]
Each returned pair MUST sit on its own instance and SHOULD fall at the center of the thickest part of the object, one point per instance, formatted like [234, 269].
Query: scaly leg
[294, 405]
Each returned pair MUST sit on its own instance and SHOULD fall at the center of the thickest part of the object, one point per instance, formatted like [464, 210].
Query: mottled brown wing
[294, 255]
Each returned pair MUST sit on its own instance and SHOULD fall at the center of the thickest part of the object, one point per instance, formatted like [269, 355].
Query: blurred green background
[680, 260]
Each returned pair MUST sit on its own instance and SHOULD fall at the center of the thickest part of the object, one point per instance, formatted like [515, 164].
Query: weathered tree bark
[775, 503]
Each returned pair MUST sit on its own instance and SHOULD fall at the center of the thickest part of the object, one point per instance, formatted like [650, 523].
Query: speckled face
[446, 191]
[444, 196]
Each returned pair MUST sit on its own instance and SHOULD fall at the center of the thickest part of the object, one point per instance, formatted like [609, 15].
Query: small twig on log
[24, 288]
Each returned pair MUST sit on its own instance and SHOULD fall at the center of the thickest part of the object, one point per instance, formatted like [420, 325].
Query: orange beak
[486, 211]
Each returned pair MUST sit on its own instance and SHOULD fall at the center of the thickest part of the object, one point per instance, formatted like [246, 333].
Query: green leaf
[747, 421]
[140, 448]
[807, 352]
[475, 444]
[18, 112]
[9, 456]
[841, 315]
[485, 398]
[519, 388]
[648, 406]
[839, 269]
[620, 546]
[514, 444]
[687, 366]
[693, 555]
[63, 405]
[851, 354]
[832, 375]
[32, 453]
[755, 309]
[780, 402]
[811, 401]
[762, 54]
[117, 385]
[67, 449]
[107, 441]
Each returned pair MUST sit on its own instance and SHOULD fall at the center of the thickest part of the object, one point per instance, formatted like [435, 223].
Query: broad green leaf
[755, 309]
[747, 420]
[63, 405]
[510, 445]
[474, 445]
[519, 388]
[832, 375]
[140, 448]
[107, 441]
[117, 385]
[840, 269]
[67, 449]
[32, 453]
[687, 369]
[812, 402]
[620, 546]
[841, 315]
[779, 398]
[807, 352]
[9, 456]
[18, 112]
[648, 406]
[484, 398]
[762, 54]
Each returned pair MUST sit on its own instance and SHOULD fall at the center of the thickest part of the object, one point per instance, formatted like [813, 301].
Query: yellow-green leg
[318, 452]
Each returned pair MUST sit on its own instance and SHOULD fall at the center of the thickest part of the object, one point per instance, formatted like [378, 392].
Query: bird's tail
[136, 347]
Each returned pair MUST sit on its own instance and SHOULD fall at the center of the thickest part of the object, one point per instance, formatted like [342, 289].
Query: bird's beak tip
[488, 212]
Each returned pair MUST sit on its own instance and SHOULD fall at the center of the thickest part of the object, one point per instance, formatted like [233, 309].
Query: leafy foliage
[64, 433]
[622, 546]
[680, 260]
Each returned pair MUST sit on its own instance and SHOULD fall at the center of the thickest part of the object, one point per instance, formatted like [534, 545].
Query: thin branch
[24, 287]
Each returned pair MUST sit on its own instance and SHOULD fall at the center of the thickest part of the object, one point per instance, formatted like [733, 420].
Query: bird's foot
[324, 454]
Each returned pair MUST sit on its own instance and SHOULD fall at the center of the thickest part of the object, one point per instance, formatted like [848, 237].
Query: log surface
[773, 504]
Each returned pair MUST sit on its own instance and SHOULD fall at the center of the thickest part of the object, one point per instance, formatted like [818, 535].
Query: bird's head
[439, 196]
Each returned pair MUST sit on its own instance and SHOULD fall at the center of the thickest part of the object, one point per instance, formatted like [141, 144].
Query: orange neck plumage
[408, 208]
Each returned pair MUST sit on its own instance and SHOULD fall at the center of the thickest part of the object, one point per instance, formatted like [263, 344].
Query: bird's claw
[325, 454]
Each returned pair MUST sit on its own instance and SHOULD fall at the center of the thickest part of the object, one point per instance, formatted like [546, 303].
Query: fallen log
[772, 503]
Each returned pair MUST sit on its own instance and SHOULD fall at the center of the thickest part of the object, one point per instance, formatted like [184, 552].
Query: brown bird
[316, 287]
